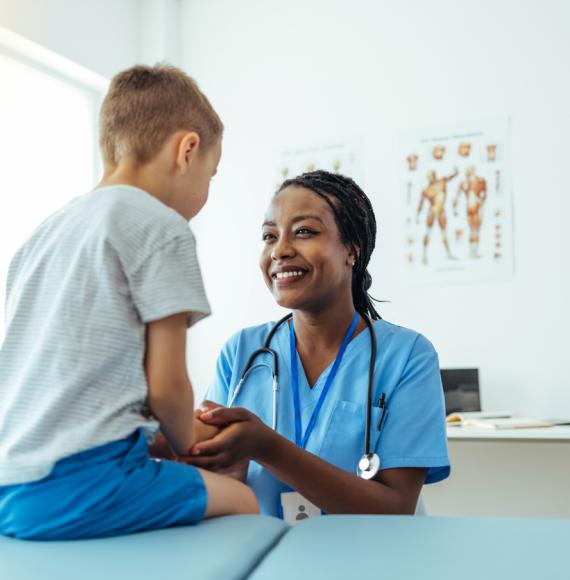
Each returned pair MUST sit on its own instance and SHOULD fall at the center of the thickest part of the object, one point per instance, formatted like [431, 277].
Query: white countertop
[559, 433]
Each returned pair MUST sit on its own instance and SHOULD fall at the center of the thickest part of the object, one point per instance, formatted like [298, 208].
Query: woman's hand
[206, 406]
[237, 471]
[161, 449]
[243, 436]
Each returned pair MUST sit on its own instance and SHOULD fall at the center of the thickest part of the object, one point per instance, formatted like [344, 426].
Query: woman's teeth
[283, 275]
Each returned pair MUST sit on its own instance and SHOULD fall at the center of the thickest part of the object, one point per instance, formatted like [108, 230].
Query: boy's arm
[161, 448]
[170, 395]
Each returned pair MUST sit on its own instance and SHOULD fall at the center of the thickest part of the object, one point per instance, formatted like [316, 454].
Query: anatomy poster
[341, 157]
[456, 195]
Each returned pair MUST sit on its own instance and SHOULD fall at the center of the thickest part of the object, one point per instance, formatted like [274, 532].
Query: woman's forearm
[331, 489]
[394, 491]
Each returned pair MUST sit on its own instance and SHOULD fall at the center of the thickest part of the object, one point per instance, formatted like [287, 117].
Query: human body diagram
[435, 194]
[456, 201]
[474, 188]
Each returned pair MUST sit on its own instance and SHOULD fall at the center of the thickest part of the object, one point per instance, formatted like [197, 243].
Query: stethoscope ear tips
[368, 466]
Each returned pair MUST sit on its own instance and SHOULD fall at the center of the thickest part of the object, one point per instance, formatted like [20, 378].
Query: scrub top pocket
[343, 443]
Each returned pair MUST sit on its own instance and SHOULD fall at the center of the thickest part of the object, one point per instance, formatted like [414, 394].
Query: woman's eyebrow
[300, 218]
[296, 219]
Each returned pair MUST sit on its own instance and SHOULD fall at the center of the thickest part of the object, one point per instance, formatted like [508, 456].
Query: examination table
[351, 547]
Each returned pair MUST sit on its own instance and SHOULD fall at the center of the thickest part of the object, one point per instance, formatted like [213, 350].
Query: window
[48, 145]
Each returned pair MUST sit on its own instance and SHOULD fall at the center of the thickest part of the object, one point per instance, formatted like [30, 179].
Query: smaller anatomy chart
[342, 157]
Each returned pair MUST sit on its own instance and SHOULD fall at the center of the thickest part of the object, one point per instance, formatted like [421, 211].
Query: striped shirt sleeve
[169, 282]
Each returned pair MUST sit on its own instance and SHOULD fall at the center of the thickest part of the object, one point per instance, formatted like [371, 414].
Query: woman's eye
[266, 237]
[304, 231]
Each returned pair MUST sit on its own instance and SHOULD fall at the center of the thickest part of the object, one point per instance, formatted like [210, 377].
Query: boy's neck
[144, 177]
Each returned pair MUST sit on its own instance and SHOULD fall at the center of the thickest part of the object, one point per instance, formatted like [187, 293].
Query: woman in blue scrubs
[318, 237]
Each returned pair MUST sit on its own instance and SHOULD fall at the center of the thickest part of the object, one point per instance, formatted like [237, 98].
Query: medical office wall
[292, 74]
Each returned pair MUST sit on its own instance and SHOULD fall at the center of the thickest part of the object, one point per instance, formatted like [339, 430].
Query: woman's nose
[282, 249]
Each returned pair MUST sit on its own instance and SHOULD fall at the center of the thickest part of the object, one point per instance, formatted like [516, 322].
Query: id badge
[295, 508]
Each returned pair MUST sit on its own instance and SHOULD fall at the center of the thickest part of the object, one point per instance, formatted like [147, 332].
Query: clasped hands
[225, 440]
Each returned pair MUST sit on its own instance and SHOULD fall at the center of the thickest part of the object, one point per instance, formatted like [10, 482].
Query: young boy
[98, 303]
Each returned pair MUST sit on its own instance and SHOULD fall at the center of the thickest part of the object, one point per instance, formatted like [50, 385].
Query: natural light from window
[47, 152]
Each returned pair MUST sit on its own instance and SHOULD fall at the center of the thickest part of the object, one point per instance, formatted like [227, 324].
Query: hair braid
[356, 222]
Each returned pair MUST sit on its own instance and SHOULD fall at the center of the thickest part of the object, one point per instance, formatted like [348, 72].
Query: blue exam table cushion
[223, 548]
[408, 548]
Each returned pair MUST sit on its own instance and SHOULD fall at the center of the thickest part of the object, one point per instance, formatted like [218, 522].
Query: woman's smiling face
[304, 262]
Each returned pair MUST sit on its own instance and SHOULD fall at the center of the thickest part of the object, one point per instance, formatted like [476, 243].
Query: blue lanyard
[300, 439]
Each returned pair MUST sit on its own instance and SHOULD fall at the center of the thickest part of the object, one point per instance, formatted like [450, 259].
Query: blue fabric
[300, 438]
[106, 491]
[406, 370]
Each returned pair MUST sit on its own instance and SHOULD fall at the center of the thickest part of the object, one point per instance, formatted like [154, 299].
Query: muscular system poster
[457, 207]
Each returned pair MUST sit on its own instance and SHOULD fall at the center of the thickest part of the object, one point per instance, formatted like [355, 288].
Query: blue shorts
[110, 490]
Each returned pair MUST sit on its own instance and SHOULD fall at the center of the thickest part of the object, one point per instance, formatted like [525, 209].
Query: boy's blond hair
[145, 105]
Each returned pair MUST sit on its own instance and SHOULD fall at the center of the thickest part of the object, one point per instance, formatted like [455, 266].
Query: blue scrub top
[406, 370]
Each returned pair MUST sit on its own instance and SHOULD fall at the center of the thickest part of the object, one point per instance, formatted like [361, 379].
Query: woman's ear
[353, 256]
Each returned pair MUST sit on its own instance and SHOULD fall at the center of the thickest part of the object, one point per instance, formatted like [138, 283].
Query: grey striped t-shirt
[79, 294]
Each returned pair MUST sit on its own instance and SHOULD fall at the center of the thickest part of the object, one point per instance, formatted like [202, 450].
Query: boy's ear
[188, 145]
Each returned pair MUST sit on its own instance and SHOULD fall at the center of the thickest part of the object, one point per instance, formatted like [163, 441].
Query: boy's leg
[117, 489]
[227, 496]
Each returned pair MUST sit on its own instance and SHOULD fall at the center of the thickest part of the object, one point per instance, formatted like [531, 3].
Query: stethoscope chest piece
[368, 466]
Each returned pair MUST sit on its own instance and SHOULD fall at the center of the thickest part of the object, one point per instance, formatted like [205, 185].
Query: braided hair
[356, 222]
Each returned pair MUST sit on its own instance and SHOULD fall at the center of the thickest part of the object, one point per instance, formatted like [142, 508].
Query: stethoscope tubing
[370, 385]
[266, 348]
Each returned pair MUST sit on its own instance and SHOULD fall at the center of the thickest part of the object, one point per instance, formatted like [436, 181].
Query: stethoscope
[369, 464]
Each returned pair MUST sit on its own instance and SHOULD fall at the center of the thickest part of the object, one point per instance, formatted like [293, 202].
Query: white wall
[300, 72]
[104, 36]
[159, 31]
[101, 35]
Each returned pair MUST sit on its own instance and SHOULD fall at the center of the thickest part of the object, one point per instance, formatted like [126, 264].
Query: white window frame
[92, 85]
[21, 49]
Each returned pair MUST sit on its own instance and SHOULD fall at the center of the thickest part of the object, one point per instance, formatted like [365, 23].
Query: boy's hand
[161, 449]
[203, 432]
